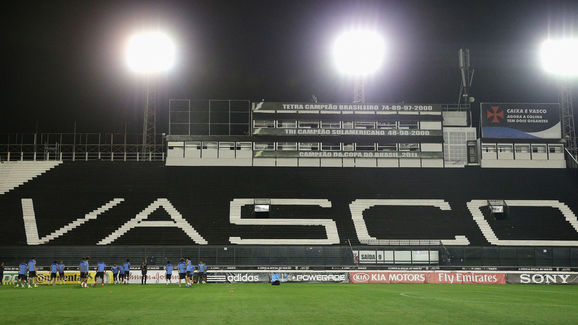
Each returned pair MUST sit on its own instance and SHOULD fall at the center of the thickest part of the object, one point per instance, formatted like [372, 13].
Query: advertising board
[428, 277]
[542, 278]
[369, 107]
[520, 121]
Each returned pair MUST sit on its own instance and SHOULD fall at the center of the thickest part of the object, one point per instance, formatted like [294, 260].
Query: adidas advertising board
[238, 277]
[264, 277]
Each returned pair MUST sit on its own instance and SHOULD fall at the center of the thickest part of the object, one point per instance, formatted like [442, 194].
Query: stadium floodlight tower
[560, 57]
[149, 54]
[359, 53]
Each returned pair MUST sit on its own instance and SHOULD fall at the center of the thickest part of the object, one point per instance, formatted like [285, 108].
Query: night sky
[63, 60]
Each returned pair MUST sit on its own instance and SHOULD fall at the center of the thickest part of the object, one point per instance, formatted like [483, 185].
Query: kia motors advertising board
[520, 121]
[388, 277]
[428, 277]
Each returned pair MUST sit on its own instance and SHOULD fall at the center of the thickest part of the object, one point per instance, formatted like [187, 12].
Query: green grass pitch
[291, 304]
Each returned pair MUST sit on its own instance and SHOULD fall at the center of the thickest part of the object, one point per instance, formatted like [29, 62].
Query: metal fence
[292, 255]
[209, 117]
[511, 256]
[80, 147]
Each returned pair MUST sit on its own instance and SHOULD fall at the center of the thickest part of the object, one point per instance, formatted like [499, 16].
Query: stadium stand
[14, 174]
[146, 203]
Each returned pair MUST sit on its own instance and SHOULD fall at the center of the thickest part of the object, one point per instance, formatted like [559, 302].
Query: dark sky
[63, 60]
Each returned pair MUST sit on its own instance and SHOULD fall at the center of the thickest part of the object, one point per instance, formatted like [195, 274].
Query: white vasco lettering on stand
[357, 207]
[475, 205]
[329, 224]
[140, 221]
[32, 230]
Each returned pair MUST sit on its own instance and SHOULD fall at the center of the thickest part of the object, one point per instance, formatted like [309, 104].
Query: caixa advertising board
[520, 121]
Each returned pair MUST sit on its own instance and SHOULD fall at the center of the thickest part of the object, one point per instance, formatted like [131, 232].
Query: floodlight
[560, 57]
[150, 52]
[359, 52]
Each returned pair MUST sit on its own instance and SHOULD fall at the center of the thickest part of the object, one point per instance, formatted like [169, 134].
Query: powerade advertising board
[520, 121]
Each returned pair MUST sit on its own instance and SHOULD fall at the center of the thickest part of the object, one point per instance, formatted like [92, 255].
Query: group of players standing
[188, 271]
[27, 273]
[121, 273]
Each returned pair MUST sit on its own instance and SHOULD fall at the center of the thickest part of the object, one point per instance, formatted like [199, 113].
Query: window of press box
[347, 124]
[386, 147]
[309, 146]
[348, 147]
[555, 148]
[364, 125]
[193, 144]
[244, 145]
[539, 148]
[287, 124]
[409, 147]
[266, 146]
[210, 145]
[365, 146]
[522, 148]
[330, 125]
[308, 124]
[227, 145]
[504, 148]
[488, 147]
[287, 146]
[263, 123]
[330, 146]
[386, 125]
[408, 125]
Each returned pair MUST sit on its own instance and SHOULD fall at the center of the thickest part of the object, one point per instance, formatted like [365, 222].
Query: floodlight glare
[560, 57]
[150, 52]
[359, 52]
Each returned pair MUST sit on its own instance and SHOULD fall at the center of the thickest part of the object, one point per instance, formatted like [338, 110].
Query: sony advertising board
[542, 278]
[520, 121]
